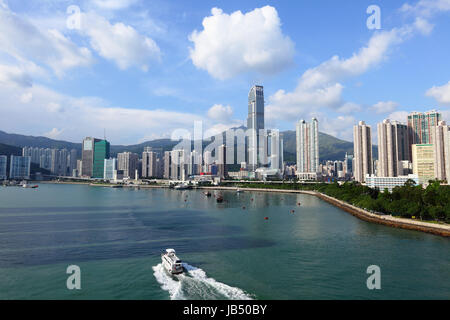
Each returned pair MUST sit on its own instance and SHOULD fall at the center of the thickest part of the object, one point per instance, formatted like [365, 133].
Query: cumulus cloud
[401, 116]
[384, 107]
[79, 117]
[341, 126]
[24, 42]
[349, 107]
[230, 44]
[119, 42]
[320, 86]
[426, 8]
[54, 133]
[441, 94]
[220, 112]
[114, 4]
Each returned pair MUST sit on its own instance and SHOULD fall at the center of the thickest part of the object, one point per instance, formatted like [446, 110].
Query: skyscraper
[72, 161]
[362, 145]
[149, 164]
[87, 157]
[128, 162]
[423, 162]
[19, 167]
[420, 124]
[167, 167]
[109, 168]
[255, 123]
[307, 146]
[275, 149]
[441, 136]
[101, 152]
[3, 164]
[221, 162]
[393, 144]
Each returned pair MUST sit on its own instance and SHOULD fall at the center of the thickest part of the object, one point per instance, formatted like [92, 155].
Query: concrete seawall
[388, 220]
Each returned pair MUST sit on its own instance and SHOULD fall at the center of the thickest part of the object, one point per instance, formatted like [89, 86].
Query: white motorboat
[182, 186]
[171, 262]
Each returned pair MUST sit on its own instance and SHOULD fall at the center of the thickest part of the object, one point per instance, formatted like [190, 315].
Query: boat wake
[194, 284]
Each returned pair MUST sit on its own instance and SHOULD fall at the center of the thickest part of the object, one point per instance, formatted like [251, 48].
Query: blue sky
[141, 69]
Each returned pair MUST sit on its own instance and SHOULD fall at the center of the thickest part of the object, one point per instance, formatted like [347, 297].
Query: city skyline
[179, 78]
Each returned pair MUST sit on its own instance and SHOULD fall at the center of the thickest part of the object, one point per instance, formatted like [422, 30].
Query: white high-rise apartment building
[362, 144]
[128, 162]
[393, 144]
[307, 146]
[441, 139]
[149, 164]
[275, 149]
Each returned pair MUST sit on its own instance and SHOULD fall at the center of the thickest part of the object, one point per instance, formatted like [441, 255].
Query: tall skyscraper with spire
[255, 123]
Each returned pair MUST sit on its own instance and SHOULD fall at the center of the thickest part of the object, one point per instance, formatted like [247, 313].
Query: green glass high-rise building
[101, 152]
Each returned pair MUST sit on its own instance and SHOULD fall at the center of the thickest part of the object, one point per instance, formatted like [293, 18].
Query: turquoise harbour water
[116, 235]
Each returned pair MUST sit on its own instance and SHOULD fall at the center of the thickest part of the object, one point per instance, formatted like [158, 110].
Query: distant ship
[24, 184]
[171, 262]
[183, 186]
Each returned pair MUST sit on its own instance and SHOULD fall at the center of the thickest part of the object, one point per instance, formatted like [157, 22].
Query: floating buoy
[243, 208]
[251, 199]
[185, 200]
[266, 218]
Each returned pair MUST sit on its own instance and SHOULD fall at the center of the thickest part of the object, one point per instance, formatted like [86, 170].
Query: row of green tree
[408, 201]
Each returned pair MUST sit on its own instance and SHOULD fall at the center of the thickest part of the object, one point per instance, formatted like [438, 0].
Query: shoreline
[387, 220]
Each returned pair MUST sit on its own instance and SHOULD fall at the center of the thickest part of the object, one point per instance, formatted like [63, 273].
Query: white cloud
[423, 26]
[119, 42]
[230, 44]
[27, 97]
[220, 113]
[114, 4]
[25, 42]
[384, 107]
[54, 133]
[321, 86]
[441, 94]
[341, 126]
[427, 7]
[79, 117]
[349, 107]
[401, 116]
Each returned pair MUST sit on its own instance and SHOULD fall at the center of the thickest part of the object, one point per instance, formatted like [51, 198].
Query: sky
[139, 70]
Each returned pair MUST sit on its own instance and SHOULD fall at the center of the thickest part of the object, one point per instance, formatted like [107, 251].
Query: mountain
[330, 148]
[8, 150]
[19, 140]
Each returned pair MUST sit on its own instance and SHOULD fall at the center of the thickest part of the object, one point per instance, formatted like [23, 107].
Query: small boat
[182, 186]
[219, 198]
[208, 194]
[26, 185]
[171, 262]
[238, 191]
